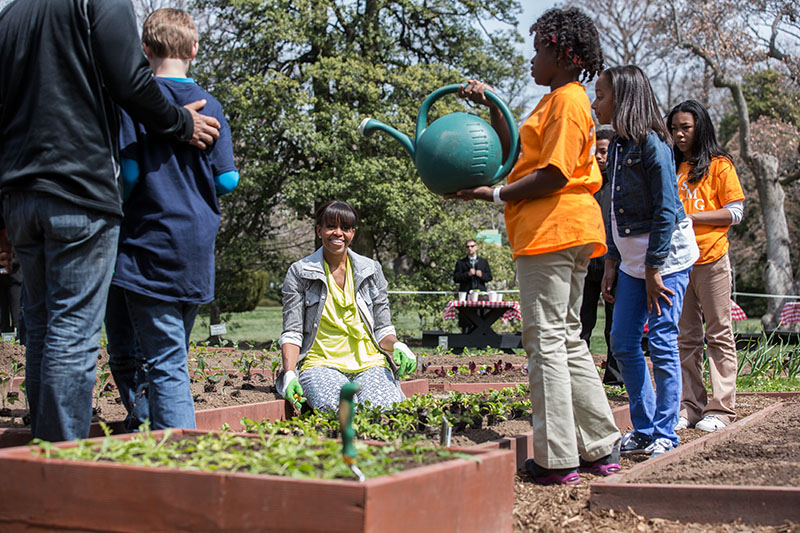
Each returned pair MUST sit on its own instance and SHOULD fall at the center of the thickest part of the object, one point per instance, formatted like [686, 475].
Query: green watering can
[459, 150]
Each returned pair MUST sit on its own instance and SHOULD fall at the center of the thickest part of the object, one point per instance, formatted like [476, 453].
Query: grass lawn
[259, 325]
[265, 323]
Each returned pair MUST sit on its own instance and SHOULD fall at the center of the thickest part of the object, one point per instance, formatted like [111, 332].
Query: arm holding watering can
[537, 184]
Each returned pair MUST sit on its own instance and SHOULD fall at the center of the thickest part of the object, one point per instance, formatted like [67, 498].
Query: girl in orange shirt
[554, 226]
[712, 197]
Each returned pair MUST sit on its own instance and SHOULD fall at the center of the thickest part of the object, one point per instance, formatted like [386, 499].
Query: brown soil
[761, 454]
[562, 508]
[231, 389]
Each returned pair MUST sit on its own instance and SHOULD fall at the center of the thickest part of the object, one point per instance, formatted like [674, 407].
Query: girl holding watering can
[555, 226]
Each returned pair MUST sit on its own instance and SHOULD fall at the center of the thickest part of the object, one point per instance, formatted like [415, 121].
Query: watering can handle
[513, 132]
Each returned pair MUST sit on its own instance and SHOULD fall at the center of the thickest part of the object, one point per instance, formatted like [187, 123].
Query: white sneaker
[660, 446]
[683, 423]
[710, 423]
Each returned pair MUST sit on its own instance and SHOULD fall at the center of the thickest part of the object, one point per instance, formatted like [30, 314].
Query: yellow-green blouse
[343, 341]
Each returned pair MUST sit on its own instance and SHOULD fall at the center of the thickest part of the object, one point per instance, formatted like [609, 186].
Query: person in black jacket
[65, 66]
[471, 273]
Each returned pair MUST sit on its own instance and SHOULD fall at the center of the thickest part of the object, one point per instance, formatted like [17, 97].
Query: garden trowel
[346, 410]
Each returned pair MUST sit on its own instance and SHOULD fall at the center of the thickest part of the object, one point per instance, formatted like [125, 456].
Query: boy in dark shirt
[165, 264]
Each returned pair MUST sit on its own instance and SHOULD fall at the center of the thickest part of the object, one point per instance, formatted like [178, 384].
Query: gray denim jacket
[305, 292]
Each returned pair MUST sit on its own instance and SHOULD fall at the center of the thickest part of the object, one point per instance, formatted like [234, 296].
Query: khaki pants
[571, 414]
[708, 295]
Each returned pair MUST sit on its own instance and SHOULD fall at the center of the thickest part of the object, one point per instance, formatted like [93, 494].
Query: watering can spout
[368, 125]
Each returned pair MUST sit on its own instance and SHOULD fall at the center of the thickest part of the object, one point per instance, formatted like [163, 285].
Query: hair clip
[554, 37]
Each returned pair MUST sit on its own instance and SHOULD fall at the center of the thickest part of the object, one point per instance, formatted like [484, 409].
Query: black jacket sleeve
[461, 273]
[126, 73]
[486, 270]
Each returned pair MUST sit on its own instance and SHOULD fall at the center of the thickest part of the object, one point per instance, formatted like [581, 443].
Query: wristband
[288, 376]
[496, 195]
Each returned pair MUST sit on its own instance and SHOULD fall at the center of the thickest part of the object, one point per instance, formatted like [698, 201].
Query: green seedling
[267, 453]
[103, 377]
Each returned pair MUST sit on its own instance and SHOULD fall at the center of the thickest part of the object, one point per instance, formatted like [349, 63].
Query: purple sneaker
[605, 466]
[547, 476]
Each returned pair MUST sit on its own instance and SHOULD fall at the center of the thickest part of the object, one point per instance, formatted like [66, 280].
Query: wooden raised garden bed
[684, 484]
[113, 497]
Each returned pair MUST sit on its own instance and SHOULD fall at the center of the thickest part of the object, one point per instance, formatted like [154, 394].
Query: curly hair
[575, 38]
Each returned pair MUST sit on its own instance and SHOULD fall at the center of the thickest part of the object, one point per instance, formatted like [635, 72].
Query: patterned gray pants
[322, 385]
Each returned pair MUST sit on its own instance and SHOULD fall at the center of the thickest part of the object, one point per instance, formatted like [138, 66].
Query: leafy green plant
[418, 417]
[244, 364]
[204, 371]
[103, 379]
[297, 456]
[767, 358]
[5, 381]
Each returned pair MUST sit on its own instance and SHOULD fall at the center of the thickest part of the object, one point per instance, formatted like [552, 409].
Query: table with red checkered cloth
[513, 313]
[737, 313]
[790, 313]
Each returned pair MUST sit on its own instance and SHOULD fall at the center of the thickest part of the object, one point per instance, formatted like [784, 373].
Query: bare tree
[733, 39]
[626, 33]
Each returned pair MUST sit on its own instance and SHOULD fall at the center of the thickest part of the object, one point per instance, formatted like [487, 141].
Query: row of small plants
[248, 364]
[418, 417]
[473, 368]
[297, 456]
[769, 359]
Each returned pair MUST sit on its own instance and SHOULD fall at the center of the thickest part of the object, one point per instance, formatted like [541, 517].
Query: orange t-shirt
[559, 132]
[720, 186]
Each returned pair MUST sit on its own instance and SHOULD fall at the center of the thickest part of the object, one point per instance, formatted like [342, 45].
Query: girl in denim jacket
[652, 241]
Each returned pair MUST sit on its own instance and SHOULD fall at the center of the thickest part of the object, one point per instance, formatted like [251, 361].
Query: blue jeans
[125, 359]
[67, 256]
[148, 344]
[653, 413]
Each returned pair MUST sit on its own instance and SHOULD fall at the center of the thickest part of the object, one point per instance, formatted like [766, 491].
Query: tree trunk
[778, 277]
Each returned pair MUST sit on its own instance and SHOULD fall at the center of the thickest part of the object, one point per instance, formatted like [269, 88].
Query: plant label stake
[446, 433]
[346, 411]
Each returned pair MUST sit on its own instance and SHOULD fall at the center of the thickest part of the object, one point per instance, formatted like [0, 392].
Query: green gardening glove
[292, 390]
[405, 359]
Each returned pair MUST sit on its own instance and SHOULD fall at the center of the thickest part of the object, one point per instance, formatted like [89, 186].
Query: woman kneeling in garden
[336, 322]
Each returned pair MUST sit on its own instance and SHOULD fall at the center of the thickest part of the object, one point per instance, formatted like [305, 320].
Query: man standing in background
[471, 274]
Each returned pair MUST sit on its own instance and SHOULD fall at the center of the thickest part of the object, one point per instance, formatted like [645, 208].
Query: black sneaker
[633, 442]
[605, 466]
[556, 476]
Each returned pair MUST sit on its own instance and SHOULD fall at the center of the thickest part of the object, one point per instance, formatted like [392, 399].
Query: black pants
[10, 292]
[591, 294]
